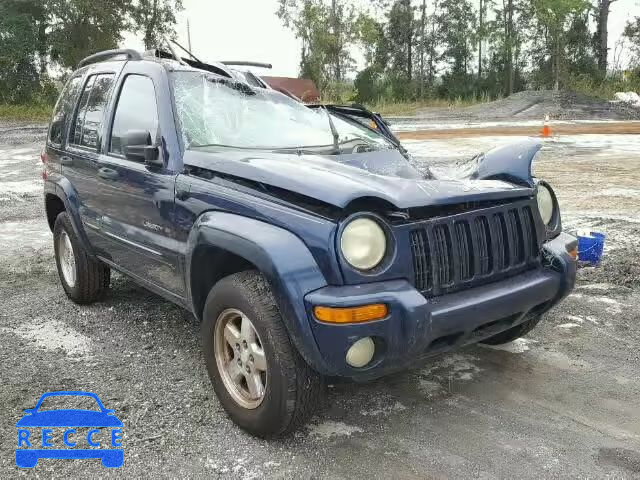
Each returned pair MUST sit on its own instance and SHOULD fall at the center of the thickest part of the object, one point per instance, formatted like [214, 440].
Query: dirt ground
[528, 129]
[561, 403]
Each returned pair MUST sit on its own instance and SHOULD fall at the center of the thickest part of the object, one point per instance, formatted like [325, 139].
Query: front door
[137, 198]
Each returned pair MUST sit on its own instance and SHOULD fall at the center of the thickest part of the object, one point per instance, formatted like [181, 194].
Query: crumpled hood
[338, 180]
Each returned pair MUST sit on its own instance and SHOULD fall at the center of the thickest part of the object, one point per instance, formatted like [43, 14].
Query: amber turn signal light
[574, 253]
[364, 313]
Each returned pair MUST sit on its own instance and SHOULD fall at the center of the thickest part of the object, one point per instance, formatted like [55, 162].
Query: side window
[136, 110]
[88, 123]
[63, 110]
[76, 128]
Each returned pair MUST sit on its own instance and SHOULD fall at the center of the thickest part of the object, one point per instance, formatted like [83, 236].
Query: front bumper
[419, 327]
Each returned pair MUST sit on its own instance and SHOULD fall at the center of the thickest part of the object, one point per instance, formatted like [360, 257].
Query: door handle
[107, 173]
[65, 160]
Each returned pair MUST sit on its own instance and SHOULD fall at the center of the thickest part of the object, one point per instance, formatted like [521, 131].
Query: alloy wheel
[240, 358]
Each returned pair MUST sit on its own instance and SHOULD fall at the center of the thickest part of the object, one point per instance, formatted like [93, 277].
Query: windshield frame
[269, 92]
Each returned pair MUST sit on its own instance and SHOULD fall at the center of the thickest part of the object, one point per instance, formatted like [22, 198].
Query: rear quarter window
[63, 110]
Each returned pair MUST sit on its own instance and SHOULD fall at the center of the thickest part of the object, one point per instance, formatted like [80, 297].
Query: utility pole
[188, 35]
[337, 39]
[424, 43]
[480, 38]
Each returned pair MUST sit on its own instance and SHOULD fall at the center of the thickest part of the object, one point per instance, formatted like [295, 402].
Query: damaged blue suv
[305, 239]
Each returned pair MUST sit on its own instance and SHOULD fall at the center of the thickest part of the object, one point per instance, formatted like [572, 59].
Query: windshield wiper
[233, 84]
[334, 133]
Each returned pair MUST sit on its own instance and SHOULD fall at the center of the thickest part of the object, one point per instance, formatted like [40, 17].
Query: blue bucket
[590, 247]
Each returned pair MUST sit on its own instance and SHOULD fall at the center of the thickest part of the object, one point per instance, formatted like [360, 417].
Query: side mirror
[137, 146]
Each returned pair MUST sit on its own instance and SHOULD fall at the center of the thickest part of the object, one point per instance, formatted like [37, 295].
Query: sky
[250, 30]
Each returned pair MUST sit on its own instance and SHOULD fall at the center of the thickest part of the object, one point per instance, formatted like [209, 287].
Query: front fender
[281, 257]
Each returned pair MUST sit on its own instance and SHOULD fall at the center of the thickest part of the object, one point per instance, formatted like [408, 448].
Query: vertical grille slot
[483, 245]
[501, 237]
[421, 260]
[516, 239]
[442, 256]
[465, 250]
[529, 229]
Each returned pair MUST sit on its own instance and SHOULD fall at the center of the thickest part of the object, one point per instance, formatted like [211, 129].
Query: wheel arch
[53, 206]
[236, 243]
[61, 194]
[202, 279]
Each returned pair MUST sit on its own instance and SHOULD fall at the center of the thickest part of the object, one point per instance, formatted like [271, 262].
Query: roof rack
[242, 63]
[102, 56]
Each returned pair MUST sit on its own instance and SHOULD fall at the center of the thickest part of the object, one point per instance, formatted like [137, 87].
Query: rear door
[137, 198]
[80, 161]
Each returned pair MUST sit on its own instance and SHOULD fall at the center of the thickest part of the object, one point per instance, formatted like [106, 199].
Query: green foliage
[454, 49]
[632, 33]
[457, 22]
[327, 33]
[37, 36]
[20, 69]
[81, 27]
[605, 89]
[155, 19]
[400, 35]
[367, 85]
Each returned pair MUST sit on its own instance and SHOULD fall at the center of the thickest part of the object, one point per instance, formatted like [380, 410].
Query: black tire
[92, 278]
[514, 332]
[293, 390]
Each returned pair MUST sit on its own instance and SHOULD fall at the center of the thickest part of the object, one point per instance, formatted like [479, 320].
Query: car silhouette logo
[36, 433]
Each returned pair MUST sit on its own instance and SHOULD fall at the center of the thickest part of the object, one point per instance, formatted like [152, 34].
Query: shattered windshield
[215, 111]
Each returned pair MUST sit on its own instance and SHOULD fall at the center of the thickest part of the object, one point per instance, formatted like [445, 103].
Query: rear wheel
[257, 374]
[514, 332]
[83, 279]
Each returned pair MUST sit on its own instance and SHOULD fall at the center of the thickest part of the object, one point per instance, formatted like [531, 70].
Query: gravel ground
[562, 402]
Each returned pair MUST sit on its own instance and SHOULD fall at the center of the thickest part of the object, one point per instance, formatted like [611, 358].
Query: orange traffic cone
[546, 130]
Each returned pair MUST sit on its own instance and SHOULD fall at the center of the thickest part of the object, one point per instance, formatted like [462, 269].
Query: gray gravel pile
[533, 105]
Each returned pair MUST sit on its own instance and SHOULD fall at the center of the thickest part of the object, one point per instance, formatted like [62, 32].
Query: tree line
[411, 49]
[415, 49]
[41, 37]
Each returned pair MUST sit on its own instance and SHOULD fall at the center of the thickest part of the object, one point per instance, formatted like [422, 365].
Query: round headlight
[363, 243]
[545, 204]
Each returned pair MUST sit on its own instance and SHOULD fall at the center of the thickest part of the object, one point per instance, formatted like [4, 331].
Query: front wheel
[258, 375]
[514, 332]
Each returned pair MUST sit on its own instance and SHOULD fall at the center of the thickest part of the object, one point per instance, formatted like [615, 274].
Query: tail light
[44, 158]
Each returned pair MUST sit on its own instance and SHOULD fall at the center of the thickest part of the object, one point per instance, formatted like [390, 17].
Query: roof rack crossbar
[102, 56]
[243, 63]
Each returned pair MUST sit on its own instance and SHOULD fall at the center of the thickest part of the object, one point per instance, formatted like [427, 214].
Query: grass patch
[384, 107]
[35, 112]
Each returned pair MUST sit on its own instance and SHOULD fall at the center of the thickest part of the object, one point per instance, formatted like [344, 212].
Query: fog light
[361, 352]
